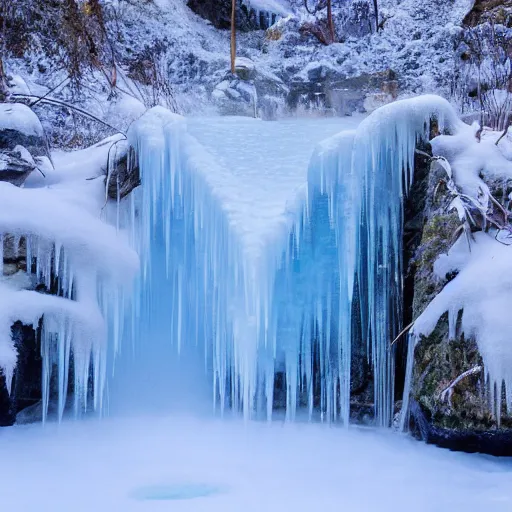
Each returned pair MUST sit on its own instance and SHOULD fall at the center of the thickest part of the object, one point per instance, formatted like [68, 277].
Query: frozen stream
[184, 464]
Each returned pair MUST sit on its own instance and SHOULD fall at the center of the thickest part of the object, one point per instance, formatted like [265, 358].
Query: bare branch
[78, 110]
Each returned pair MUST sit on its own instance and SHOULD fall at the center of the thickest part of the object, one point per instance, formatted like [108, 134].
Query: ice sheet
[127, 465]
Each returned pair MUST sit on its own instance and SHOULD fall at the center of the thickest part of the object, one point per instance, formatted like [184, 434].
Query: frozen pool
[186, 464]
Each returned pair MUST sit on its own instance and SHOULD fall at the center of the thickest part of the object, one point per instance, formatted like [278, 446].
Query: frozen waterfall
[259, 276]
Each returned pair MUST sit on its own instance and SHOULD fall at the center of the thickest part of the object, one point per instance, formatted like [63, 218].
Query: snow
[61, 215]
[416, 42]
[18, 117]
[473, 161]
[482, 290]
[133, 465]
[262, 168]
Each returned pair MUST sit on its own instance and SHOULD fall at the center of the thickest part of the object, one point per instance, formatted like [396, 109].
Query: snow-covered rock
[245, 68]
[463, 356]
[20, 126]
[15, 166]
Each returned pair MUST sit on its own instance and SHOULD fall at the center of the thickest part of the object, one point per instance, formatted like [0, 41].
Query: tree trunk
[376, 12]
[3, 82]
[233, 36]
[330, 22]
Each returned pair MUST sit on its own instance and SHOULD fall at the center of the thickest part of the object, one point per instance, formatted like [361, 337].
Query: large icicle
[205, 298]
[380, 159]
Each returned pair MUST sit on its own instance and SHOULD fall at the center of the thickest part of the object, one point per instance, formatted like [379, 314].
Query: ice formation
[283, 303]
[266, 276]
[82, 260]
[267, 12]
[365, 187]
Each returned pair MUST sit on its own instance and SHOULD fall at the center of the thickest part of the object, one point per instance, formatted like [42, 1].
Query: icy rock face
[60, 261]
[218, 12]
[251, 14]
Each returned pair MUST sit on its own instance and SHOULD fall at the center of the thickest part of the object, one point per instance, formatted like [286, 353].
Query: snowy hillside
[165, 54]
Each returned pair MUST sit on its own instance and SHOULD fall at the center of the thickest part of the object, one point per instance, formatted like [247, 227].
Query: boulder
[20, 126]
[321, 85]
[461, 418]
[496, 11]
[245, 68]
[15, 254]
[16, 165]
[250, 92]
[26, 387]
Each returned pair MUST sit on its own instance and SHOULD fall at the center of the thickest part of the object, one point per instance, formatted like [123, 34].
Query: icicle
[409, 371]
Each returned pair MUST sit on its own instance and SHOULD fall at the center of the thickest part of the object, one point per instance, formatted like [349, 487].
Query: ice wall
[365, 188]
[285, 311]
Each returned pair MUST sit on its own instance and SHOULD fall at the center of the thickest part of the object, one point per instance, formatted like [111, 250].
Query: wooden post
[233, 36]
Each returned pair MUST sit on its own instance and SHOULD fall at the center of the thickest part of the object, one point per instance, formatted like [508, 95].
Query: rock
[245, 68]
[7, 406]
[496, 441]
[323, 86]
[463, 421]
[15, 254]
[19, 126]
[16, 165]
[26, 388]
[122, 172]
[234, 96]
[497, 11]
